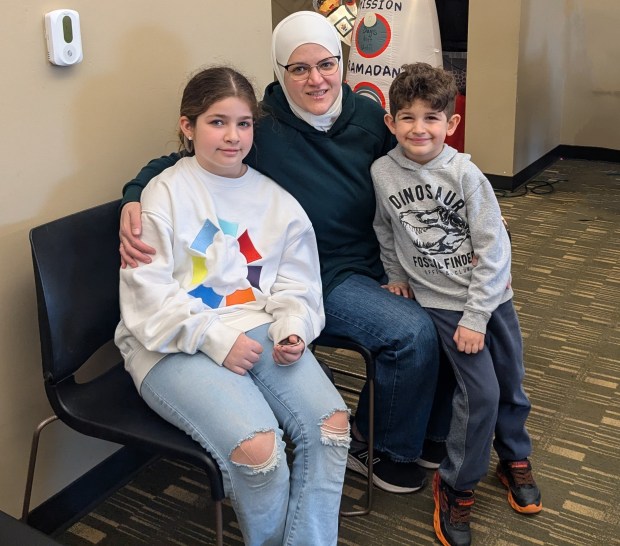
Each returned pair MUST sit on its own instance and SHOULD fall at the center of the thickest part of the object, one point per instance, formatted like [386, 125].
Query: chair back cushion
[76, 268]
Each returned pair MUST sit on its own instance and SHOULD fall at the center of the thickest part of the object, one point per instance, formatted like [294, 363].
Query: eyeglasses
[301, 71]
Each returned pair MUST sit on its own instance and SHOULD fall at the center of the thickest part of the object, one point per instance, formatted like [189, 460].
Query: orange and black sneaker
[452, 512]
[523, 493]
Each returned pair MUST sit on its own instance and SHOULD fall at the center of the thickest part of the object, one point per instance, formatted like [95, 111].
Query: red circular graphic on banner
[372, 41]
[371, 91]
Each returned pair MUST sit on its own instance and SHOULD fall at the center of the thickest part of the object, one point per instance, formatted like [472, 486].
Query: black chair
[337, 342]
[76, 267]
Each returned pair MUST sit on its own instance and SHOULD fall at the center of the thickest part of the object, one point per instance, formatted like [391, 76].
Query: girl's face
[222, 136]
[316, 94]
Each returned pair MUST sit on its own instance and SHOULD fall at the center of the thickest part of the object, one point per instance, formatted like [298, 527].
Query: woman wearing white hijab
[301, 29]
[318, 141]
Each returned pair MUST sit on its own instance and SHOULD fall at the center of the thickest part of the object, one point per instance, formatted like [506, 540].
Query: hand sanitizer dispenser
[64, 40]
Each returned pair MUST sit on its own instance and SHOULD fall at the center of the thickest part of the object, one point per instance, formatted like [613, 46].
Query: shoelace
[522, 474]
[461, 511]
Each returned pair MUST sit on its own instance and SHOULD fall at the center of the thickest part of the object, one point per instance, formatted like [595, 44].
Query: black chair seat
[110, 408]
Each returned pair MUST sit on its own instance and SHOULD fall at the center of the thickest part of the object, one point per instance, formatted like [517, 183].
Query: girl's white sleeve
[160, 314]
[296, 299]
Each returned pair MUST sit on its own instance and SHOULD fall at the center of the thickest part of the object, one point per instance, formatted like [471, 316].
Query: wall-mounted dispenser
[63, 36]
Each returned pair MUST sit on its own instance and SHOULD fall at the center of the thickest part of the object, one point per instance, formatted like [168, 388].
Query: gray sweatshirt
[431, 220]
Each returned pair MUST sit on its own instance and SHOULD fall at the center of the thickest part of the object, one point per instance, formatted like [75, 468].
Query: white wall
[70, 138]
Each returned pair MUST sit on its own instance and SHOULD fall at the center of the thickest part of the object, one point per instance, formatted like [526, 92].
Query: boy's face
[420, 130]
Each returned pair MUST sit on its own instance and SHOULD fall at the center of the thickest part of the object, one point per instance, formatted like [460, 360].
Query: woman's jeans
[220, 409]
[404, 341]
[488, 401]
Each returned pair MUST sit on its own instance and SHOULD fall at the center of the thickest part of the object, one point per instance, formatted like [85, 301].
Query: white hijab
[304, 27]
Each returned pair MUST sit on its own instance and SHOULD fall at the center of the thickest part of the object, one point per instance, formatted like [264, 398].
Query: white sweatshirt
[232, 254]
[431, 221]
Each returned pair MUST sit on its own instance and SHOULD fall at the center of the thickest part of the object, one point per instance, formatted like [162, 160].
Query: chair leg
[34, 447]
[371, 454]
[219, 524]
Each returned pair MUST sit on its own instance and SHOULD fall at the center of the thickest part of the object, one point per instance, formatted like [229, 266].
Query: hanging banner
[386, 35]
[340, 14]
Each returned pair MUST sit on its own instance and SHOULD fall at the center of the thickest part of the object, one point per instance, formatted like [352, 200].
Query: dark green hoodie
[327, 172]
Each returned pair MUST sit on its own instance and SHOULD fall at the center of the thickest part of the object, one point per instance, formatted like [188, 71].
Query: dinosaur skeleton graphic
[437, 231]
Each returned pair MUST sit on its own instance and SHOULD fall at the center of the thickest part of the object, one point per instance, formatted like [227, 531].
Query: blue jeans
[488, 401]
[403, 338]
[221, 409]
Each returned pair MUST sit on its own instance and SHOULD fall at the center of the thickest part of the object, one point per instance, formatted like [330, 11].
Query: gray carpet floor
[566, 276]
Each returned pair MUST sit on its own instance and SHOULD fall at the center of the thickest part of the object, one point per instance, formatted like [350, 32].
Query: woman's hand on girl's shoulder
[132, 249]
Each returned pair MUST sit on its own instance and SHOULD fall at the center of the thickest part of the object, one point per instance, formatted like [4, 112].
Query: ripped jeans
[223, 411]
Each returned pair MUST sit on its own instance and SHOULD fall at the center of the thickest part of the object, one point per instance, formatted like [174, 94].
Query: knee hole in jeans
[335, 429]
[259, 452]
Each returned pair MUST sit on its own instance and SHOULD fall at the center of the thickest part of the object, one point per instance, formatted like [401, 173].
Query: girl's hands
[244, 353]
[132, 249]
[288, 350]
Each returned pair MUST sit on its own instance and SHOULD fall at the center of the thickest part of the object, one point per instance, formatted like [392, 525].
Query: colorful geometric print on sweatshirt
[240, 255]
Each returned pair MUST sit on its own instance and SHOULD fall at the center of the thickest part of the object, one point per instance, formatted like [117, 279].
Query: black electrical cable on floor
[536, 186]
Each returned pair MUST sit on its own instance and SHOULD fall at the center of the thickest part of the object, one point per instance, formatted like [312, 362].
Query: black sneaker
[433, 453]
[523, 493]
[452, 512]
[387, 475]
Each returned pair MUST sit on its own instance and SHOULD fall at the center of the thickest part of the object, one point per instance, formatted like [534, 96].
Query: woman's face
[316, 94]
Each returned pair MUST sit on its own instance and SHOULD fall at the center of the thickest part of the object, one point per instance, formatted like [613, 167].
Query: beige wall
[492, 57]
[70, 138]
[540, 74]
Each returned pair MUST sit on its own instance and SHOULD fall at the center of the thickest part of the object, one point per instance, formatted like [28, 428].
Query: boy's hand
[244, 353]
[132, 249]
[288, 350]
[468, 341]
[400, 289]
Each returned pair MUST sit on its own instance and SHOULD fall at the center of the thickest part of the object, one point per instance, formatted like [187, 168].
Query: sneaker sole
[529, 509]
[429, 465]
[356, 466]
[436, 518]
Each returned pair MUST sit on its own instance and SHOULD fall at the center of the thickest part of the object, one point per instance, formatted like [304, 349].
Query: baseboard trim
[80, 497]
[590, 153]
